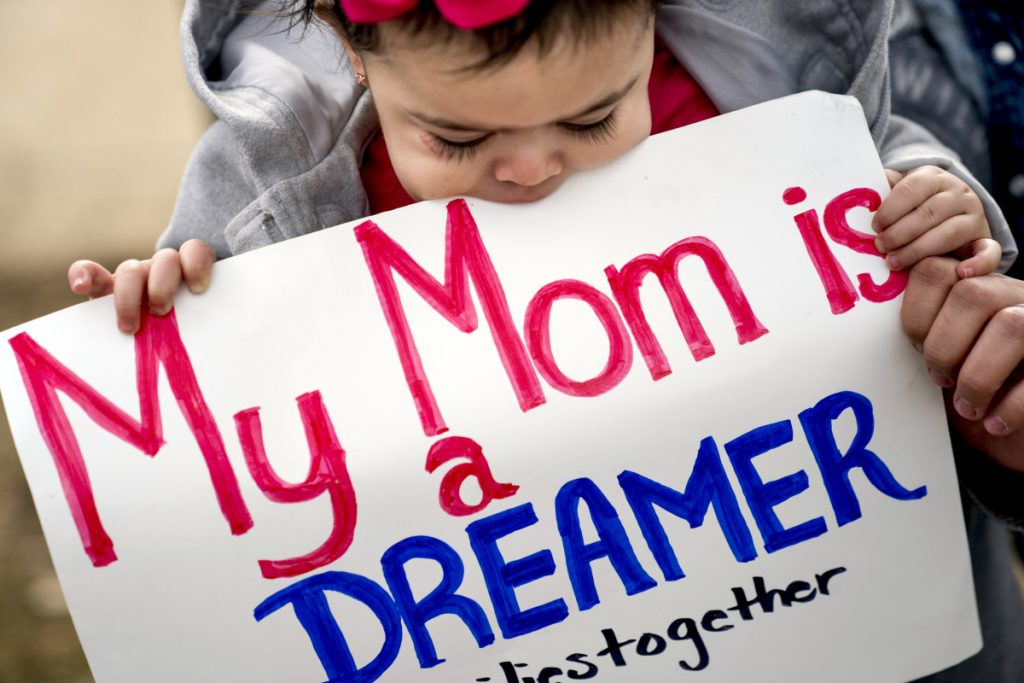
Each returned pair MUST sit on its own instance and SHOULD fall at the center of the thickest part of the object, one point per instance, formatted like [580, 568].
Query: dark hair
[542, 20]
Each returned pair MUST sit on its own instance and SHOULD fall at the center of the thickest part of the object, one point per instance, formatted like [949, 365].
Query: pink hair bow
[464, 14]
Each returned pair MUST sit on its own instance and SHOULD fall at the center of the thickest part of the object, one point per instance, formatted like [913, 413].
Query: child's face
[512, 133]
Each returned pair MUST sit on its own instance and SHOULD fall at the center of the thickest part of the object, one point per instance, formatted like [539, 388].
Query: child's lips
[528, 195]
[527, 199]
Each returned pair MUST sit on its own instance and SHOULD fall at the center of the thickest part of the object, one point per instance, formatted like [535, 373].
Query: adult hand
[971, 332]
[153, 281]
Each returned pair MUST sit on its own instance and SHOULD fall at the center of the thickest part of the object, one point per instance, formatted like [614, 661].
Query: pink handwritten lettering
[626, 283]
[158, 342]
[465, 258]
[538, 338]
[328, 472]
[450, 493]
[839, 230]
[838, 288]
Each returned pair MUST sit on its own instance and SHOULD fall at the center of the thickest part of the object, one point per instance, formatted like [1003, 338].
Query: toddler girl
[503, 100]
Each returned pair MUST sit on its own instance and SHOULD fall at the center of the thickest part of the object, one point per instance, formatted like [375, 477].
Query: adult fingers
[130, 281]
[1007, 416]
[907, 194]
[163, 280]
[989, 366]
[1007, 451]
[980, 257]
[197, 260]
[969, 308]
[928, 286]
[893, 176]
[89, 278]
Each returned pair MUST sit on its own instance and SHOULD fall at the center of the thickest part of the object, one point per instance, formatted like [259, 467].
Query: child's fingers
[907, 194]
[89, 278]
[941, 239]
[164, 278]
[196, 265]
[980, 257]
[130, 280]
[893, 177]
[930, 213]
[995, 356]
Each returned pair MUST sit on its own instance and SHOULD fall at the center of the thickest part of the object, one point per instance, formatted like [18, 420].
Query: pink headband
[464, 14]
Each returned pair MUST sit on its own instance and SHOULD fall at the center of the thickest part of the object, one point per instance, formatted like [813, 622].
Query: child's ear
[356, 61]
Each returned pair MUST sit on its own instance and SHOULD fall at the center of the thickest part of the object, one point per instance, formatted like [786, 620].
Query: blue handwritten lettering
[441, 600]
[502, 577]
[613, 543]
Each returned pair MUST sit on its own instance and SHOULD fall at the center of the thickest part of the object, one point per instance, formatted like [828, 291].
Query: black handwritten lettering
[620, 651]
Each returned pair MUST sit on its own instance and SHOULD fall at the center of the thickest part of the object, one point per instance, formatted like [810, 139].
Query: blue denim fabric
[945, 76]
[949, 75]
[926, 86]
[996, 29]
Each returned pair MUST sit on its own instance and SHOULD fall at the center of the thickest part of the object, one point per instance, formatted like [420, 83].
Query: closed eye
[460, 150]
[457, 150]
[598, 131]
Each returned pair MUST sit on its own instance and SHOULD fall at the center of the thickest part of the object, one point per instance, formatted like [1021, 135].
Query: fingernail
[879, 246]
[126, 327]
[160, 310]
[892, 262]
[943, 382]
[79, 281]
[995, 425]
[965, 408]
[966, 273]
[199, 287]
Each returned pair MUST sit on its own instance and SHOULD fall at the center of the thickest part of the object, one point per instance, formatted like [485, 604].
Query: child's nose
[528, 168]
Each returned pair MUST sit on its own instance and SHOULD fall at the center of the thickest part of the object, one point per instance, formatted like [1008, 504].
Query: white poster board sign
[663, 423]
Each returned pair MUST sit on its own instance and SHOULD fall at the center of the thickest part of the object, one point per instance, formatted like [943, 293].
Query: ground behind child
[96, 123]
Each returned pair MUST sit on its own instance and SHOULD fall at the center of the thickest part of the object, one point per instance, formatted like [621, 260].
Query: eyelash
[599, 131]
[458, 151]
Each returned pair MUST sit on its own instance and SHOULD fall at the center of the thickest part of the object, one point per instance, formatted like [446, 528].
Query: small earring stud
[361, 79]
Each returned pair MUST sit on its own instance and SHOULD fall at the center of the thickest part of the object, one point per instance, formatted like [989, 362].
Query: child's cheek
[426, 175]
[634, 129]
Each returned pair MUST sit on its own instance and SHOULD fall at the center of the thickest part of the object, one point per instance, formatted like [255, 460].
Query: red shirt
[676, 100]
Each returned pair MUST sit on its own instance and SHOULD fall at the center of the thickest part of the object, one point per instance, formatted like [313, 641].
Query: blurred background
[95, 128]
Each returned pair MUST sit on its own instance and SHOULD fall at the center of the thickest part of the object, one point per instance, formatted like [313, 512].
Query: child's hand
[972, 336]
[931, 212]
[154, 280]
